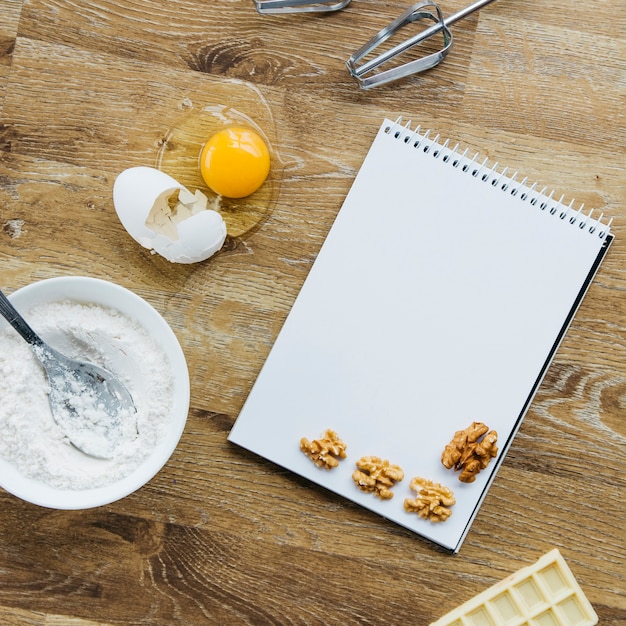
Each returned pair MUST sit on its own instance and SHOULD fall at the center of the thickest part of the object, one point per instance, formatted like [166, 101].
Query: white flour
[30, 438]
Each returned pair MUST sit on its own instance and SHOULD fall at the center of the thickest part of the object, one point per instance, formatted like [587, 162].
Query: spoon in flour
[92, 407]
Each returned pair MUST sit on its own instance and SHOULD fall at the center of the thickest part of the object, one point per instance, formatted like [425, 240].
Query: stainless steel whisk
[366, 74]
[299, 6]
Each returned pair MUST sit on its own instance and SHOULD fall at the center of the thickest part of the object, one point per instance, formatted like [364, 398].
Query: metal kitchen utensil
[90, 405]
[364, 72]
[298, 6]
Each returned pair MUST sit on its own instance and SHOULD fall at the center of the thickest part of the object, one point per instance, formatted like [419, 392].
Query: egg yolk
[235, 162]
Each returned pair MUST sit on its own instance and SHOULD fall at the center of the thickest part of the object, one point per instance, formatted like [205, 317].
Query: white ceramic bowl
[103, 293]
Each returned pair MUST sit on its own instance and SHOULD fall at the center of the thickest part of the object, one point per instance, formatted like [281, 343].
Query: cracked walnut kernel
[433, 500]
[326, 451]
[470, 451]
[377, 476]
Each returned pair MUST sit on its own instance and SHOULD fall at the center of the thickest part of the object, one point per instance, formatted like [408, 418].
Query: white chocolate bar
[543, 594]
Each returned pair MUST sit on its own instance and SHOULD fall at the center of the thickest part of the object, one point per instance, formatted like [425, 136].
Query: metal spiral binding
[415, 139]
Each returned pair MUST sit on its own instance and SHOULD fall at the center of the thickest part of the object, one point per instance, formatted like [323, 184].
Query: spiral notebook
[439, 298]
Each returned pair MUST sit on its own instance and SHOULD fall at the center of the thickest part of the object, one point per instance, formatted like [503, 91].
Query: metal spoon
[91, 406]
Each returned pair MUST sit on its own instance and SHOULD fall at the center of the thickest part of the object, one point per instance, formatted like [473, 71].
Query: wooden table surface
[220, 536]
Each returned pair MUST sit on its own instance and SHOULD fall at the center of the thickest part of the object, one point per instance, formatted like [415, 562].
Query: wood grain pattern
[90, 87]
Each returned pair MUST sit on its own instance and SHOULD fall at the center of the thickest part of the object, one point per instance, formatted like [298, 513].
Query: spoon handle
[18, 322]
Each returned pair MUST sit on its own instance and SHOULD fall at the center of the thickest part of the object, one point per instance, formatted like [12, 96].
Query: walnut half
[377, 476]
[433, 500]
[326, 451]
[470, 451]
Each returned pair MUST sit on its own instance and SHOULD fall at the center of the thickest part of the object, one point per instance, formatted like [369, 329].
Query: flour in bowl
[30, 438]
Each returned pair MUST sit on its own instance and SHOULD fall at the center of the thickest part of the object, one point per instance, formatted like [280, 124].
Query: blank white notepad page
[437, 300]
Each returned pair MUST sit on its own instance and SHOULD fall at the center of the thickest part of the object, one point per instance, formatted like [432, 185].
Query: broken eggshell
[162, 215]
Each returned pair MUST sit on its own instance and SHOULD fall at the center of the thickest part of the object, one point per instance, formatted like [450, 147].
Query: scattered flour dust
[29, 437]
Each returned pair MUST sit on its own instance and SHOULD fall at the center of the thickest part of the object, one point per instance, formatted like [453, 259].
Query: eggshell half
[134, 193]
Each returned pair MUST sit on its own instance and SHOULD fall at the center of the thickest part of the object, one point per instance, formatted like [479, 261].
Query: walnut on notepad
[433, 500]
[377, 476]
[326, 451]
[470, 451]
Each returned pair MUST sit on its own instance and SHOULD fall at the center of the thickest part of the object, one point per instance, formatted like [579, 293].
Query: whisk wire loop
[364, 72]
[369, 73]
[266, 7]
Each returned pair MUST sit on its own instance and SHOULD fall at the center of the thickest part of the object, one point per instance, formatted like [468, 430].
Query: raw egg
[235, 162]
[216, 114]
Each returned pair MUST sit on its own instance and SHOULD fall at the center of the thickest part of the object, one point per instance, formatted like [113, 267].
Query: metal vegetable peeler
[365, 73]
[298, 6]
